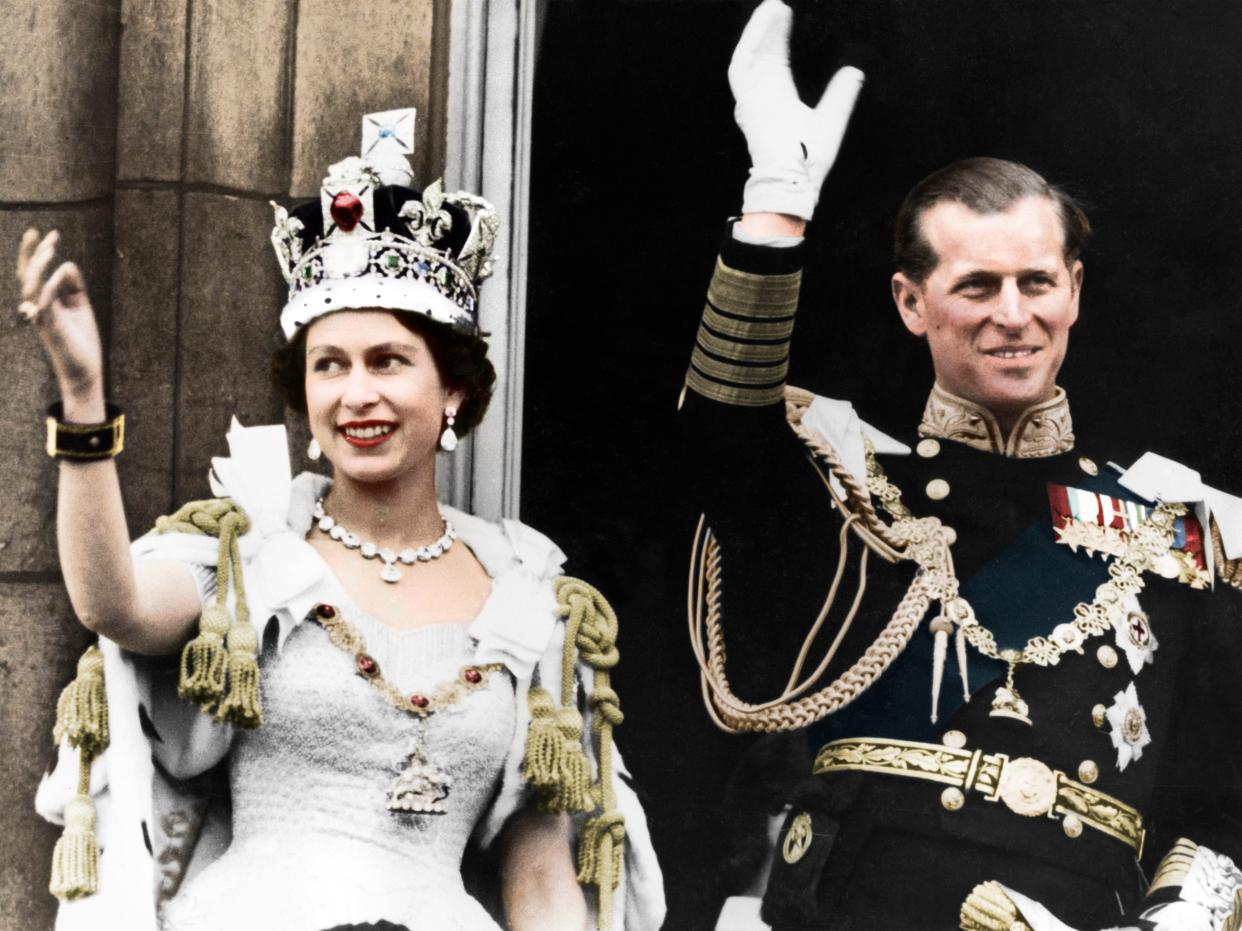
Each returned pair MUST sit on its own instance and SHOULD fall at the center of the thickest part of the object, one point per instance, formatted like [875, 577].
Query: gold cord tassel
[601, 850]
[241, 706]
[75, 859]
[554, 762]
[220, 667]
[82, 721]
[82, 709]
[204, 661]
[591, 629]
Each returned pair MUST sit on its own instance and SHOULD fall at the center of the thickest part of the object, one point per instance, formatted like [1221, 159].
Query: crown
[372, 239]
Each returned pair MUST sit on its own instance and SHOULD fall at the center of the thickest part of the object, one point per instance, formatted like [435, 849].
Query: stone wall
[152, 134]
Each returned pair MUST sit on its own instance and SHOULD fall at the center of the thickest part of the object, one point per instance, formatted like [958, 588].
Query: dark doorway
[1132, 105]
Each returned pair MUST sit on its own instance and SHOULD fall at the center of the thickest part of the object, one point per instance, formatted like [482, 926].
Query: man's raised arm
[741, 355]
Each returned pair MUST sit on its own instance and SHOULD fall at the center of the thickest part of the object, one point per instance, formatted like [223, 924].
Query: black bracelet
[85, 441]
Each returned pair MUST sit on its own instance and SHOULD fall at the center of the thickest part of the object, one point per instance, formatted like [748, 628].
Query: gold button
[1097, 715]
[937, 489]
[952, 799]
[1088, 466]
[1072, 825]
[954, 739]
[928, 448]
[1088, 772]
[1107, 656]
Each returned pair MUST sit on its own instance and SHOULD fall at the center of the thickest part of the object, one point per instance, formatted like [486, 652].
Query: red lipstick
[379, 435]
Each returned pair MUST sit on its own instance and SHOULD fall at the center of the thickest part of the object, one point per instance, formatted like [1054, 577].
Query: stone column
[153, 133]
[58, 69]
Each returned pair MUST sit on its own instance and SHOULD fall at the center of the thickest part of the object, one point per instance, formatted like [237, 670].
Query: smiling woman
[376, 693]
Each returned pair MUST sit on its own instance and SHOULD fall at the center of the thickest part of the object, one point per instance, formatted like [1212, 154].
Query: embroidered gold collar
[1044, 429]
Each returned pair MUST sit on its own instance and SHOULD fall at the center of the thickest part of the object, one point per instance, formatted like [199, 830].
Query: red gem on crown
[419, 701]
[346, 211]
[472, 675]
[366, 665]
[327, 612]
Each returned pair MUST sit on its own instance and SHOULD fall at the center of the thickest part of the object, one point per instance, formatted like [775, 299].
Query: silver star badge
[1134, 636]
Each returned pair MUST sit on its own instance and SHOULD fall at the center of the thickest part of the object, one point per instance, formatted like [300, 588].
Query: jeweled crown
[372, 239]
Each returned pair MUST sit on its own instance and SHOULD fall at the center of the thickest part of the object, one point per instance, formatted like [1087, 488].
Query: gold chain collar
[1146, 544]
[1044, 429]
[346, 637]
[924, 541]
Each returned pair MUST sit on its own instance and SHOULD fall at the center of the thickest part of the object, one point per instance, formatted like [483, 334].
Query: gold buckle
[1026, 786]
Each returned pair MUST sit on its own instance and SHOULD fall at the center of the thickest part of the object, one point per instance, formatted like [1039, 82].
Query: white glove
[792, 146]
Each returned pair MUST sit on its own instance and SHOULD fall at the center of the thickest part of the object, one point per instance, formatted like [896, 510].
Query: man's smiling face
[998, 306]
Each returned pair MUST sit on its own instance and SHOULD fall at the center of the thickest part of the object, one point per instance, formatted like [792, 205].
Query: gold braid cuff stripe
[750, 326]
[741, 351]
[754, 295]
[760, 375]
[989, 908]
[728, 394]
[1175, 866]
[1024, 785]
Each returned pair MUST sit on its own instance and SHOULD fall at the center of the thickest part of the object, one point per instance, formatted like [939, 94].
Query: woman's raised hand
[792, 146]
[59, 309]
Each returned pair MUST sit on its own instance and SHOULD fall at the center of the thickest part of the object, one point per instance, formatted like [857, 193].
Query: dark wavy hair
[985, 185]
[461, 360]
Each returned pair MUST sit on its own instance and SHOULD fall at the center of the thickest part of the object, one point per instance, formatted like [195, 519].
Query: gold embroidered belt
[1024, 785]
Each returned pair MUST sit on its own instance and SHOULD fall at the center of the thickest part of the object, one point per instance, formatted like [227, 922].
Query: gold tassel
[601, 853]
[204, 661]
[591, 630]
[554, 762]
[75, 859]
[82, 709]
[541, 762]
[241, 706]
[209, 664]
[601, 849]
[573, 790]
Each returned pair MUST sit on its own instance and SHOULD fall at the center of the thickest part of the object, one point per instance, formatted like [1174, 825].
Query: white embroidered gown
[314, 844]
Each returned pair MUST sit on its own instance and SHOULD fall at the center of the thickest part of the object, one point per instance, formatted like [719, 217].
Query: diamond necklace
[409, 556]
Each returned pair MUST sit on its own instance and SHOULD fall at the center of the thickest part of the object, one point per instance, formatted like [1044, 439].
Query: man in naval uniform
[1027, 710]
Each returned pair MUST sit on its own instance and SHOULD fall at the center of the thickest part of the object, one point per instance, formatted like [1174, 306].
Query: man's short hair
[985, 185]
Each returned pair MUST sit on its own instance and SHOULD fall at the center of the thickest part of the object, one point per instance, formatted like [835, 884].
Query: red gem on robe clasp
[327, 612]
[366, 665]
[472, 675]
[419, 701]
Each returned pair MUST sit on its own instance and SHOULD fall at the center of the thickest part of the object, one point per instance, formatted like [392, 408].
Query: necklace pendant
[420, 788]
[390, 573]
[1007, 703]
